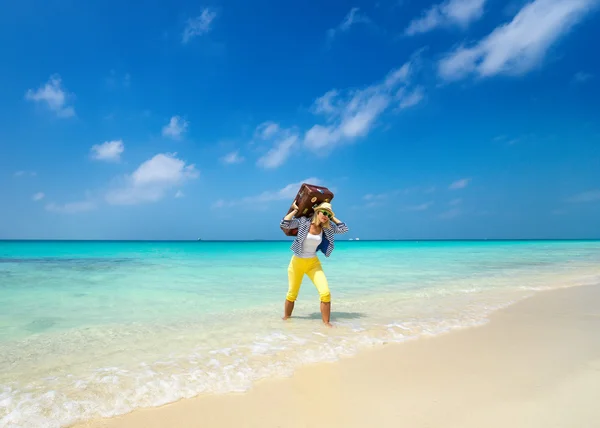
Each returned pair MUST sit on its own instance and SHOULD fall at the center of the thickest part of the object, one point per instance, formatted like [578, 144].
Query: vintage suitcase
[308, 197]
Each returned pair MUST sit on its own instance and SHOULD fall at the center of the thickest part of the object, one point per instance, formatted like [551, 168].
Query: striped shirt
[303, 226]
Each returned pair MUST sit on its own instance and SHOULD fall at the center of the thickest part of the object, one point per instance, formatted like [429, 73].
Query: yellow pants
[297, 268]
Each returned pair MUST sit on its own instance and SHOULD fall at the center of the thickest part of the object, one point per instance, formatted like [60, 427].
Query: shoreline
[521, 366]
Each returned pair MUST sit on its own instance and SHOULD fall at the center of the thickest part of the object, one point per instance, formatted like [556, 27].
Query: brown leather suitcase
[308, 197]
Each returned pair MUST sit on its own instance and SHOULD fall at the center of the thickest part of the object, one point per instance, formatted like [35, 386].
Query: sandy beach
[535, 364]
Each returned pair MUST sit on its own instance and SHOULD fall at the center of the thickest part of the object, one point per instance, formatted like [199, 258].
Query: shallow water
[92, 329]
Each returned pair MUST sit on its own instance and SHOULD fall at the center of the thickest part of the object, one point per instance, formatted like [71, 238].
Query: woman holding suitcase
[314, 234]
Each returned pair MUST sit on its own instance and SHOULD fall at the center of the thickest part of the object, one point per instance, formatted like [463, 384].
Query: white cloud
[378, 199]
[450, 13]
[38, 196]
[520, 45]
[375, 197]
[280, 152]
[323, 104]
[353, 17]
[354, 114]
[286, 193]
[151, 180]
[454, 212]
[373, 200]
[348, 115]
[421, 207]
[233, 158]
[25, 173]
[267, 130]
[589, 196]
[582, 77]
[507, 140]
[455, 202]
[112, 81]
[460, 184]
[53, 95]
[108, 151]
[415, 189]
[199, 25]
[175, 128]
[71, 207]
[179, 194]
[397, 192]
[412, 98]
[281, 140]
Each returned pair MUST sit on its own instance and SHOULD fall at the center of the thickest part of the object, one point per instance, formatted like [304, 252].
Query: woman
[314, 234]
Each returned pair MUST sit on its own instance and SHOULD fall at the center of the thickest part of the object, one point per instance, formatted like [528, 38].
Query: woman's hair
[315, 220]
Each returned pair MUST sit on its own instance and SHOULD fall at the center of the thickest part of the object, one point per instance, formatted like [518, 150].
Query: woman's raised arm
[289, 221]
[338, 226]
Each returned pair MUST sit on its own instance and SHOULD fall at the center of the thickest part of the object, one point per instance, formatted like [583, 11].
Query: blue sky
[177, 120]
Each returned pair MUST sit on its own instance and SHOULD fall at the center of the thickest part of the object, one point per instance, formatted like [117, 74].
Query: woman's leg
[317, 276]
[295, 274]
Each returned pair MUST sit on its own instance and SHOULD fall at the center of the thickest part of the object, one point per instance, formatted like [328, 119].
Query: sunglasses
[327, 213]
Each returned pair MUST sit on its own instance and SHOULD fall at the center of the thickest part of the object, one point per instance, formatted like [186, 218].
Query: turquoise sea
[96, 329]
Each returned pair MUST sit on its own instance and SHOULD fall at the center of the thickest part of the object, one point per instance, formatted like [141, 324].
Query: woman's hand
[292, 213]
[339, 226]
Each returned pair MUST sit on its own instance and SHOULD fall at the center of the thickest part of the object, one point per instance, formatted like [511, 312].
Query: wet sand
[535, 364]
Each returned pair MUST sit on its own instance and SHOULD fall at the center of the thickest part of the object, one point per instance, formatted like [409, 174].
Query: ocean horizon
[98, 328]
[338, 239]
